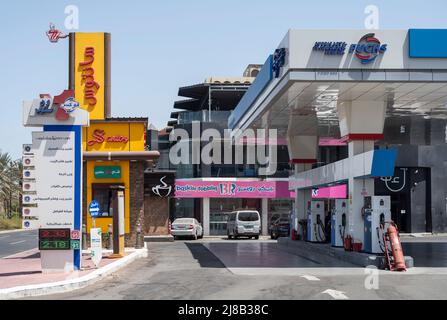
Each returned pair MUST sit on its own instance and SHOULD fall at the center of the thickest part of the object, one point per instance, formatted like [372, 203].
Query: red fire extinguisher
[348, 243]
[396, 247]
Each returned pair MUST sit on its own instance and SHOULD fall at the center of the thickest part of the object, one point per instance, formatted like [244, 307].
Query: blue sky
[158, 46]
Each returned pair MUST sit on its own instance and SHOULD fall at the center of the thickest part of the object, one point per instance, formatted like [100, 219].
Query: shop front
[114, 148]
[116, 139]
[211, 201]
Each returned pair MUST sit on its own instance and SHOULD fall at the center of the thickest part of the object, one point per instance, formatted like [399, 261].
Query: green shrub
[10, 224]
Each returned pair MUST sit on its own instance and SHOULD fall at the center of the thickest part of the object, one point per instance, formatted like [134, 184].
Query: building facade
[115, 152]
[384, 95]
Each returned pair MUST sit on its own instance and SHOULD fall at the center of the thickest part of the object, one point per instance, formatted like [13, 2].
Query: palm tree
[10, 184]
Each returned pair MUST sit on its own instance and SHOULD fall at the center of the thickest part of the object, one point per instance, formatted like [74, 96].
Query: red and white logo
[54, 35]
[75, 235]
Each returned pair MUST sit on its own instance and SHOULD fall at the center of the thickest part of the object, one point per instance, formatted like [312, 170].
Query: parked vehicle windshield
[248, 216]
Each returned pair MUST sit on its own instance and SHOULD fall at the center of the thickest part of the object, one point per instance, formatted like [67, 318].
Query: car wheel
[257, 237]
[175, 238]
[229, 236]
[272, 236]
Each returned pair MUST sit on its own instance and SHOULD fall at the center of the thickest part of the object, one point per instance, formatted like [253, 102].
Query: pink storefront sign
[232, 189]
[334, 192]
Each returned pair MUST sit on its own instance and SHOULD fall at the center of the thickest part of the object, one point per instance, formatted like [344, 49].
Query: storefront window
[184, 208]
[103, 194]
[279, 208]
[221, 208]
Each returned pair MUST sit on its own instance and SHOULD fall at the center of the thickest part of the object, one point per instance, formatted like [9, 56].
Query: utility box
[339, 222]
[315, 221]
[376, 211]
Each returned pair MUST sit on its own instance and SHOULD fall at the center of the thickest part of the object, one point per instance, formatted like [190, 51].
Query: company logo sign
[398, 182]
[70, 105]
[54, 35]
[366, 50]
[91, 87]
[236, 189]
[45, 105]
[99, 137]
[279, 60]
[64, 104]
[163, 189]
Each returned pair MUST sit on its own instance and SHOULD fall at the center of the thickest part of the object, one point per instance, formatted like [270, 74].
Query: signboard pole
[53, 197]
[118, 221]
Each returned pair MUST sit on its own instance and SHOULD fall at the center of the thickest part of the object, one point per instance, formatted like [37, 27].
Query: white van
[244, 223]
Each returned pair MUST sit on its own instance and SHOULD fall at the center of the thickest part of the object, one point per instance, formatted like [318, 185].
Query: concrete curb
[357, 258]
[71, 284]
[167, 238]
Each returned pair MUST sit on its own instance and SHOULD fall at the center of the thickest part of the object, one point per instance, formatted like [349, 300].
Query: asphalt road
[15, 242]
[229, 270]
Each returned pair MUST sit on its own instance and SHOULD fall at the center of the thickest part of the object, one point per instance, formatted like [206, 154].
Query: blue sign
[366, 50]
[427, 43]
[279, 59]
[94, 209]
[331, 48]
[44, 106]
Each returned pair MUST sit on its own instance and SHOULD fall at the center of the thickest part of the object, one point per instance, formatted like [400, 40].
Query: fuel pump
[376, 211]
[339, 222]
[315, 221]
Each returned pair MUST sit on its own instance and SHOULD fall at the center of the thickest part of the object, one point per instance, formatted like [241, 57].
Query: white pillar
[206, 216]
[264, 215]
[302, 197]
[358, 188]
[361, 123]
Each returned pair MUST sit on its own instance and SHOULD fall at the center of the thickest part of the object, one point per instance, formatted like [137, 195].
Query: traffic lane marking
[4, 237]
[310, 278]
[337, 295]
[18, 242]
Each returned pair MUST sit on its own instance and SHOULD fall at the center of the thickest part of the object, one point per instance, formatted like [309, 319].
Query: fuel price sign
[54, 239]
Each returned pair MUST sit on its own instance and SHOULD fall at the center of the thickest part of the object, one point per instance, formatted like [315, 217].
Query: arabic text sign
[232, 189]
[107, 172]
[55, 178]
[94, 209]
[96, 245]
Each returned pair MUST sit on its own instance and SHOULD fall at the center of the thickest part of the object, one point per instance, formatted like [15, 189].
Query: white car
[187, 227]
[245, 223]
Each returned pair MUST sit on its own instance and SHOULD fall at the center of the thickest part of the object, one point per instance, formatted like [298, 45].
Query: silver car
[187, 227]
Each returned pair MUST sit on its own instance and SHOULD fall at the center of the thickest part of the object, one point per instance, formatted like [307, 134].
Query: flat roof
[320, 68]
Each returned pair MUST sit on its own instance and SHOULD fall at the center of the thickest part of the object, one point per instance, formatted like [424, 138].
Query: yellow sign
[89, 73]
[115, 136]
